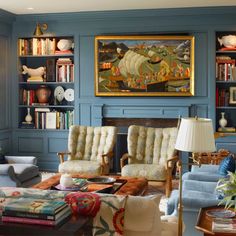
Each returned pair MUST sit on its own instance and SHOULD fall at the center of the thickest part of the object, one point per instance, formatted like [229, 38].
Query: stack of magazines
[224, 225]
[36, 211]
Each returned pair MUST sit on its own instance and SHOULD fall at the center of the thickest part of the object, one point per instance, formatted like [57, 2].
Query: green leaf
[104, 223]
[100, 232]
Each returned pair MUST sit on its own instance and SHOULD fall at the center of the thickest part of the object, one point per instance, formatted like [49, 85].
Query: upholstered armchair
[89, 150]
[151, 154]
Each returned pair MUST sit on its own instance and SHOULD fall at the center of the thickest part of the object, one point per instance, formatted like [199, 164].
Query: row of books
[36, 211]
[64, 70]
[225, 70]
[223, 225]
[222, 97]
[27, 97]
[39, 46]
[46, 119]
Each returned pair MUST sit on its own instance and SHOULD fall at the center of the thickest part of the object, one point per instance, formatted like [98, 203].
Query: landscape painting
[144, 65]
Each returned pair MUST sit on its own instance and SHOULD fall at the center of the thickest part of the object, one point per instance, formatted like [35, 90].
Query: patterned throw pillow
[227, 164]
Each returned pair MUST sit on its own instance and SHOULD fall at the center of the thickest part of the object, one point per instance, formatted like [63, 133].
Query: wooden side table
[204, 222]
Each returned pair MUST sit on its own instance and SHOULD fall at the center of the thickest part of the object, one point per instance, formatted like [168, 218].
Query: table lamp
[194, 135]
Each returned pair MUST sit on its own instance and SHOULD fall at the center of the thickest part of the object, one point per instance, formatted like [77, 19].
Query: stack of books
[36, 211]
[224, 225]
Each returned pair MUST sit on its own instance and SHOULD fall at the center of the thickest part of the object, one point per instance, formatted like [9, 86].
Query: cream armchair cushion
[89, 150]
[151, 154]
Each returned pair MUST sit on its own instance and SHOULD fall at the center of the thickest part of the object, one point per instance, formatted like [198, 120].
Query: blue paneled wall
[6, 20]
[89, 110]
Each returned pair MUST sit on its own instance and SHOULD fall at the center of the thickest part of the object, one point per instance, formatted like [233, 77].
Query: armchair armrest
[171, 161]
[62, 154]
[123, 158]
[105, 157]
[6, 170]
[21, 159]
[8, 176]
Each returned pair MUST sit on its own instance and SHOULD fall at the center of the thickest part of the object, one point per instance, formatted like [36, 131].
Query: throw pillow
[3, 159]
[227, 164]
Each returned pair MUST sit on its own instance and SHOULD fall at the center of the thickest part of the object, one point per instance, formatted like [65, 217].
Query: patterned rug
[153, 188]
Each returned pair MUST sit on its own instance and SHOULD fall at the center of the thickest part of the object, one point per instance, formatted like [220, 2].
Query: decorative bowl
[101, 180]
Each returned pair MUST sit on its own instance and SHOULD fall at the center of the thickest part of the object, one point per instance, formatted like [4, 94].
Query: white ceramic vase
[28, 117]
[222, 121]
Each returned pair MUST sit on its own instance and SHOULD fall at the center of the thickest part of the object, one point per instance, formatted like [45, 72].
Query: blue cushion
[227, 164]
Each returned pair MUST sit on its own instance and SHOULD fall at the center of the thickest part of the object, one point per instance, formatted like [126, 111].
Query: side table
[204, 223]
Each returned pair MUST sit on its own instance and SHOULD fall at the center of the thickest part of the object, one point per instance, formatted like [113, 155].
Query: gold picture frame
[144, 65]
[232, 95]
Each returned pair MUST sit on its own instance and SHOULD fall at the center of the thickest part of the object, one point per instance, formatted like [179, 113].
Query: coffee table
[130, 186]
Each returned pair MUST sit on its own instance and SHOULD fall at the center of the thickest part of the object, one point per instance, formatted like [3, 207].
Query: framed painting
[232, 95]
[144, 65]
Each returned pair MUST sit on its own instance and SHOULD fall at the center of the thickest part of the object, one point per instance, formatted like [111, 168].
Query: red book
[25, 220]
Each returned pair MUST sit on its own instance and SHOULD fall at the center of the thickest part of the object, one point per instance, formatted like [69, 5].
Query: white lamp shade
[195, 135]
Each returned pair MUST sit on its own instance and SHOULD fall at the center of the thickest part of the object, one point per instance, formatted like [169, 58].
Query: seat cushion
[81, 167]
[149, 171]
[25, 172]
[201, 176]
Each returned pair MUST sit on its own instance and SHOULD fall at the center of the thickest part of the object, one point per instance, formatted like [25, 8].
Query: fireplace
[123, 124]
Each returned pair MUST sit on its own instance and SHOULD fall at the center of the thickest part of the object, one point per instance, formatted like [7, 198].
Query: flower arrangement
[227, 186]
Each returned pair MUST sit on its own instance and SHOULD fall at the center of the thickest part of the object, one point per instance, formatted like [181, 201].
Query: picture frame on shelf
[144, 65]
[232, 95]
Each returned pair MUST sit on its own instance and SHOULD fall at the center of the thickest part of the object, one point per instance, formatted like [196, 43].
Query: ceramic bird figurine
[38, 72]
[229, 41]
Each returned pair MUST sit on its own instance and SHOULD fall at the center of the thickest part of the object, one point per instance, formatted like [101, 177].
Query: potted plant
[227, 189]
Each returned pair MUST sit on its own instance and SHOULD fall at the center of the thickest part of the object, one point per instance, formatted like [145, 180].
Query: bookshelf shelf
[228, 107]
[57, 81]
[225, 80]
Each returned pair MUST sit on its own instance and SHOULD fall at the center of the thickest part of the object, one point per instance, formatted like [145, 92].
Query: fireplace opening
[123, 123]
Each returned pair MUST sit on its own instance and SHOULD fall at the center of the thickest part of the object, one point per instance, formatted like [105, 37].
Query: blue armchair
[19, 171]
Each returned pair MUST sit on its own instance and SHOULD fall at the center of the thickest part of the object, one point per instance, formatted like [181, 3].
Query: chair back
[89, 143]
[147, 145]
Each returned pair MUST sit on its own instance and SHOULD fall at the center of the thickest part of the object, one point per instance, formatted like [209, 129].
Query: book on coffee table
[27, 220]
[224, 225]
[32, 205]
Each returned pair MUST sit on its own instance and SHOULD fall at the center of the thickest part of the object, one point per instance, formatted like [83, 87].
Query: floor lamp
[194, 135]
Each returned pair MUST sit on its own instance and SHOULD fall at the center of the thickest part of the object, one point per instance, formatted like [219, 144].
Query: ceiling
[57, 6]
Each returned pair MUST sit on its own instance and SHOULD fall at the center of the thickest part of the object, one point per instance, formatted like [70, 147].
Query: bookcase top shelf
[38, 82]
[48, 106]
[48, 55]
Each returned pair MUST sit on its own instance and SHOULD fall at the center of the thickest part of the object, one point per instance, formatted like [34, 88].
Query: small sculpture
[34, 73]
[229, 41]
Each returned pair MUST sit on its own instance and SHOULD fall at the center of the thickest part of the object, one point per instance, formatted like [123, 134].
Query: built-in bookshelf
[225, 81]
[46, 82]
